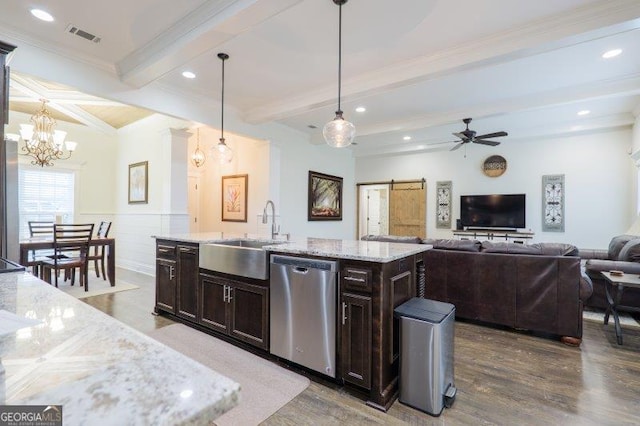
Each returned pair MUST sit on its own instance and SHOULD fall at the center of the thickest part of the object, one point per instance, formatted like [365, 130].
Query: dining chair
[71, 241]
[99, 251]
[39, 229]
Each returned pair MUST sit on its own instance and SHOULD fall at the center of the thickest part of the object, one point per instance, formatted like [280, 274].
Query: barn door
[407, 209]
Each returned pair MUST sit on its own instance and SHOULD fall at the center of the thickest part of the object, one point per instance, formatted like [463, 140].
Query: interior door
[373, 208]
[407, 209]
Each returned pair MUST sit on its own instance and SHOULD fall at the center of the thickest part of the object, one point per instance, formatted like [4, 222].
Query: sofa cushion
[631, 251]
[557, 249]
[459, 245]
[393, 239]
[510, 248]
[617, 243]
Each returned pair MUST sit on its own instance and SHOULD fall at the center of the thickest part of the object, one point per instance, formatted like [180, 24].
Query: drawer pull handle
[186, 250]
[164, 250]
[355, 271]
[344, 313]
[171, 272]
[359, 280]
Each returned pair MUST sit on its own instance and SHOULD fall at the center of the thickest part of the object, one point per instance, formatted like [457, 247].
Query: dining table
[43, 243]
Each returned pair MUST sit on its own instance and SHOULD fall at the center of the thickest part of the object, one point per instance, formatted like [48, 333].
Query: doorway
[392, 208]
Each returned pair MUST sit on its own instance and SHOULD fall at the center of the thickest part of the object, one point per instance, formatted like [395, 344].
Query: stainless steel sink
[244, 258]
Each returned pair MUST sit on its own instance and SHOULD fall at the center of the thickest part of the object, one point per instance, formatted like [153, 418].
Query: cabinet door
[356, 339]
[249, 313]
[166, 285]
[187, 284]
[213, 303]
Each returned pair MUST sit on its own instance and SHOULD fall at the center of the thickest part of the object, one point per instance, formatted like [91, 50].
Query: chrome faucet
[265, 218]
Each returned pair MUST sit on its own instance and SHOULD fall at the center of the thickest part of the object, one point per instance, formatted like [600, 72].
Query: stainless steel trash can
[426, 354]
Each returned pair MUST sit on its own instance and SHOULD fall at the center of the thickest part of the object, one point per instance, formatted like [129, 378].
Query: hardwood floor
[503, 377]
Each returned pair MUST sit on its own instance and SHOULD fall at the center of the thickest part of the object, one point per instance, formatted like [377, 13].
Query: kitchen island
[373, 278]
[100, 370]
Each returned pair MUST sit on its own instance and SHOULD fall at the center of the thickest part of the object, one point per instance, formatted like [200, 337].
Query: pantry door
[407, 209]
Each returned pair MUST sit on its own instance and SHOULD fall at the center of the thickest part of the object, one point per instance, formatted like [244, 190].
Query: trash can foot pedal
[450, 396]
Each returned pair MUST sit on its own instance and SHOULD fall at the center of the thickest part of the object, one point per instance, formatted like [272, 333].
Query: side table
[619, 282]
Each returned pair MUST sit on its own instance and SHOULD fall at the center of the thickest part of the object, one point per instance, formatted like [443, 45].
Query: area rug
[626, 320]
[264, 386]
[97, 286]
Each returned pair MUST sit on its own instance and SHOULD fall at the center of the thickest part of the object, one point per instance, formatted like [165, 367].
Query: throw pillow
[617, 243]
[631, 251]
[510, 248]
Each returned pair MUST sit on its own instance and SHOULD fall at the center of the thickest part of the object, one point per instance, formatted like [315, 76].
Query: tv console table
[494, 235]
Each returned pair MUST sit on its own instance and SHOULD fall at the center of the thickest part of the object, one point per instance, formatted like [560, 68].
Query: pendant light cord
[222, 108]
[339, 56]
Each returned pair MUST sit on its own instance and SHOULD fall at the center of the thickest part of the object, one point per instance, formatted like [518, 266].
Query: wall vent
[72, 29]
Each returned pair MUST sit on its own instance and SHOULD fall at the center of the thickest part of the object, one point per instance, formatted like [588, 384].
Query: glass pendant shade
[221, 153]
[339, 132]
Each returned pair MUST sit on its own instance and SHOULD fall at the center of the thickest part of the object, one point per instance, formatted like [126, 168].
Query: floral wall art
[234, 198]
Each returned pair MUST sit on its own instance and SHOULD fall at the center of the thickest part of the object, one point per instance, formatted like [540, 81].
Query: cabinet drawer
[357, 279]
[165, 251]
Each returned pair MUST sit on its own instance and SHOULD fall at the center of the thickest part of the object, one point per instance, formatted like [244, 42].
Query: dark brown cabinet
[177, 279]
[355, 347]
[235, 308]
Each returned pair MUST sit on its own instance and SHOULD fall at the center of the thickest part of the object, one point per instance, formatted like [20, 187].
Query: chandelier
[339, 132]
[42, 141]
[198, 158]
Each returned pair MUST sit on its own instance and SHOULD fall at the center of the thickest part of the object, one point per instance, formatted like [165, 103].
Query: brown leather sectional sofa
[537, 287]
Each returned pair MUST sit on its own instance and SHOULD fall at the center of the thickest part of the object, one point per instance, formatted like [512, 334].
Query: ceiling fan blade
[460, 135]
[492, 135]
[486, 142]
[457, 146]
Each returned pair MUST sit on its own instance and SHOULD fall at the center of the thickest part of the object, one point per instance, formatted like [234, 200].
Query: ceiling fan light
[339, 132]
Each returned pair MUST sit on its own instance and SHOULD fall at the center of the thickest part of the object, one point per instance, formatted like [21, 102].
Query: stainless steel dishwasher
[303, 311]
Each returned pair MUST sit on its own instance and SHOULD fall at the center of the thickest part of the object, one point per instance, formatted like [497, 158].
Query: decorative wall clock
[443, 204]
[553, 217]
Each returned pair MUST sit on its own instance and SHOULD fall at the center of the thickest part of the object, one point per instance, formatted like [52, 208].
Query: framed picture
[139, 183]
[325, 197]
[234, 198]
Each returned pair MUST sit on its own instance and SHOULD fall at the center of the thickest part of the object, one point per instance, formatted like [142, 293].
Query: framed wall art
[553, 203]
[139, 183]
[234, 198]
[443, 205]
[325, 197]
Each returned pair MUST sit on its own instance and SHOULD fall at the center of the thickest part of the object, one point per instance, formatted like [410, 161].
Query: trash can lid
[424, 309]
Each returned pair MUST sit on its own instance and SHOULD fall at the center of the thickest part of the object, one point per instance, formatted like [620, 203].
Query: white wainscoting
[135, 247]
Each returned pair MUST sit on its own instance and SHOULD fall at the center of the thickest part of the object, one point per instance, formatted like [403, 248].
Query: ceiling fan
[468, 135]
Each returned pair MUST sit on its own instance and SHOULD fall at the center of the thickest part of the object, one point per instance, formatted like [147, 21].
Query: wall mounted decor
[553, 203]
[494, 166]
[234, 198]
[325, 197]
[443, 204]
[139, 183]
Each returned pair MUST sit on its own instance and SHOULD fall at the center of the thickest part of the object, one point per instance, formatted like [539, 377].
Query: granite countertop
[370, 251]
[97, 368]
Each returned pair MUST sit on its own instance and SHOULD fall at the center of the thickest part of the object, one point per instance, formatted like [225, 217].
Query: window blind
[43, 195]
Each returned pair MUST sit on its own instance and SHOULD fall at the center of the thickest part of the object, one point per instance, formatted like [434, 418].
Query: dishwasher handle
[300, 269]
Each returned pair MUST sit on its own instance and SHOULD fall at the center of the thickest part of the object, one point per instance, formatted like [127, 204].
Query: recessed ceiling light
[407, 138]
[611, 53]
[361, 109]
[188, 74]
[42, 15]
[584, 112]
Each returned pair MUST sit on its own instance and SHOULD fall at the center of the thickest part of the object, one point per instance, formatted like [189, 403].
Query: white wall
[599, 180]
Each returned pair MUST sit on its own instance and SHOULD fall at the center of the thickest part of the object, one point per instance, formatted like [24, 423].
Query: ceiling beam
[199, 32]
[592, 21]
[36, 91]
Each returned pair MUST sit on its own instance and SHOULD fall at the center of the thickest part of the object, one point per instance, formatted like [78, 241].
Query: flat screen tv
[493, 211]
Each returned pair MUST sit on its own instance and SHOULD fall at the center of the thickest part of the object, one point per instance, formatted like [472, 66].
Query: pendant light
[198, 158]
[221, 152]
[339, 133]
